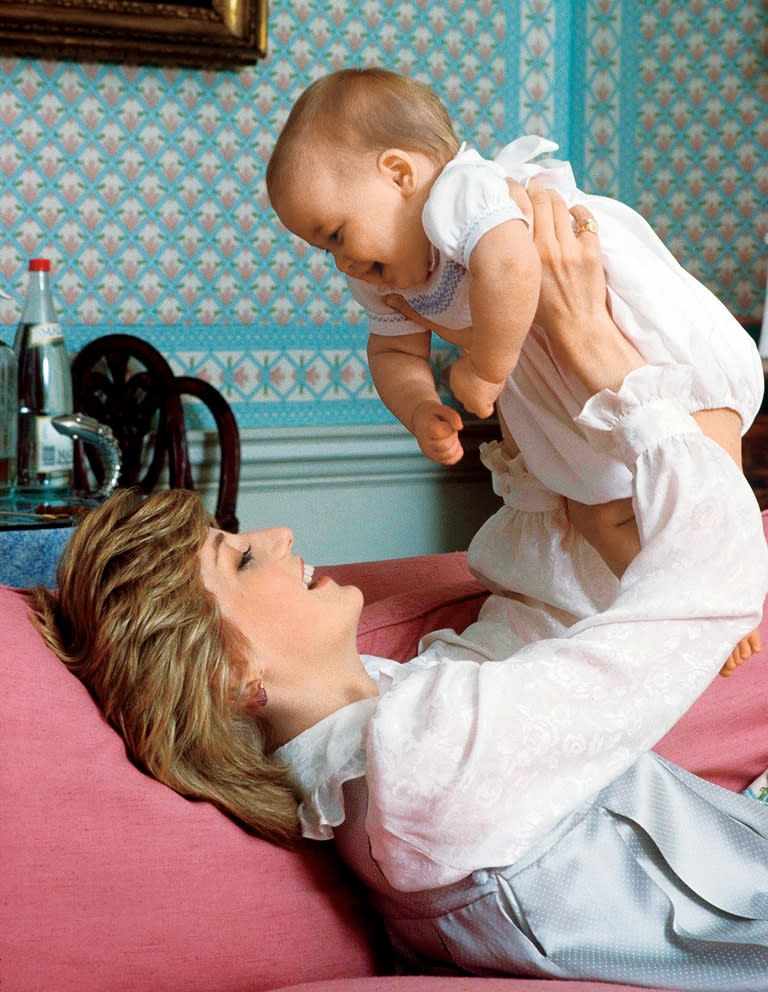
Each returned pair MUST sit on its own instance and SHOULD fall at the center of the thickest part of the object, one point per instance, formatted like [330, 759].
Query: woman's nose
[276, 541]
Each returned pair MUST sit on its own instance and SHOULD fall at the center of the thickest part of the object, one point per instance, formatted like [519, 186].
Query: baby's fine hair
[367, 110]
[133, 621]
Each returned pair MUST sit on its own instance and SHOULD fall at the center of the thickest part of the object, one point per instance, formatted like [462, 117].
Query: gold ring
[588, 224]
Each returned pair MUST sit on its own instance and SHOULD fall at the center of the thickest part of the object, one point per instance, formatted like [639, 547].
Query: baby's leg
[611, 529]
[724, 426]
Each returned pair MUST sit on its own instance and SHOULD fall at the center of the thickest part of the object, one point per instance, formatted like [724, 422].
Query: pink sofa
[112, 882]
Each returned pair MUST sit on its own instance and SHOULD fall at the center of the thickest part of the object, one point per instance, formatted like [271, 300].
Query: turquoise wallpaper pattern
[145, 185]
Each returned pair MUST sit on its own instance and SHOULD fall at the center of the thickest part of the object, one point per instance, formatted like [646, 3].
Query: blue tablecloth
[29, 556]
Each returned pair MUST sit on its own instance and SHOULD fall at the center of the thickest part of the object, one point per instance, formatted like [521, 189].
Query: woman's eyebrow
[217, 544]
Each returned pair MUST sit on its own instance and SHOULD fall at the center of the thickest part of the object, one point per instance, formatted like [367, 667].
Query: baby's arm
[505, 275]
[405, 382]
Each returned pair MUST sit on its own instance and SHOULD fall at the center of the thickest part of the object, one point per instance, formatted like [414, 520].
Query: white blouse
[485, 741]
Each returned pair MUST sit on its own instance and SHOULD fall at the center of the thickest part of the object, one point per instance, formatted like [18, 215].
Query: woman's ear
[400, 168]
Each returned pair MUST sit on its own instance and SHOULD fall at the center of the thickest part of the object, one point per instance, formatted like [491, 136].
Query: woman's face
[298, 628]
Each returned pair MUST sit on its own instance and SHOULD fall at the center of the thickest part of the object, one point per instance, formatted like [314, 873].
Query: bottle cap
[39, 265]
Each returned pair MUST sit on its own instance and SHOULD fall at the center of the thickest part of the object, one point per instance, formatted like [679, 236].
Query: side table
[32, 538]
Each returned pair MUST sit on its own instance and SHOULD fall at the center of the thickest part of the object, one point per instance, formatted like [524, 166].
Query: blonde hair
[133, 621]
[358, 110]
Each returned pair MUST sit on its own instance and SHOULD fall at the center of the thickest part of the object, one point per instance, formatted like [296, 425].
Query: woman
[506, 816]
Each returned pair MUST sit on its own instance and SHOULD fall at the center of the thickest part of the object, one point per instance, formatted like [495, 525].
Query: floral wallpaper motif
[145, 185]
[702, 128]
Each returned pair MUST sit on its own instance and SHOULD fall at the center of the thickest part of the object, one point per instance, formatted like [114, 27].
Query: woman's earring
[260, 696]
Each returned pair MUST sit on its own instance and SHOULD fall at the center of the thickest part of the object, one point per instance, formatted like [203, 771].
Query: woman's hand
[573, 307]
[573, 287]
[462, 337]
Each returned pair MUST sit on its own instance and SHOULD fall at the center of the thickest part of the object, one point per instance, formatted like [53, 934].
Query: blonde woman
[496, 794]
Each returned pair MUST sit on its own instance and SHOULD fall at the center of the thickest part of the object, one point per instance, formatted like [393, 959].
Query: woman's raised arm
[500, 751]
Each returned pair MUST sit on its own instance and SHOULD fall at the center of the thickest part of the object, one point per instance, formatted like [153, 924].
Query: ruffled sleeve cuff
[332, 752]
[654, 402]
[321, 760]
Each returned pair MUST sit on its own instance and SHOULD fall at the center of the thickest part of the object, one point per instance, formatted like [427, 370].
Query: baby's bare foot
[746, 647]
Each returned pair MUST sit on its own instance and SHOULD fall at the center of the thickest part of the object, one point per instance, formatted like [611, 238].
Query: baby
[368, 168]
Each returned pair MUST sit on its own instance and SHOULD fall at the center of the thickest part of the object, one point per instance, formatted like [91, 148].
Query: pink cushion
[112, 881]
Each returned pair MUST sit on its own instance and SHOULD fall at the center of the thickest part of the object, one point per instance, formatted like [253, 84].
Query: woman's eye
[245, 559]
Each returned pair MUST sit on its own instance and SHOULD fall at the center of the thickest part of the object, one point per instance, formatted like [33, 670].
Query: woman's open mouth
[309, 571]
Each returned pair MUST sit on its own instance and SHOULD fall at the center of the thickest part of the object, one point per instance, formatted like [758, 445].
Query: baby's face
[368, 218]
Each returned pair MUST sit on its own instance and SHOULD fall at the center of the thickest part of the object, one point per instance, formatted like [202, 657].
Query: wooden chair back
[124, 382]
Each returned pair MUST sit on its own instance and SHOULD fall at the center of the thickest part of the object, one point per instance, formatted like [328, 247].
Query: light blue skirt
[661, 881]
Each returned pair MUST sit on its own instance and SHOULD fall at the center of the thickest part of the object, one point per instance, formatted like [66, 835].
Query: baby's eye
[245, 559]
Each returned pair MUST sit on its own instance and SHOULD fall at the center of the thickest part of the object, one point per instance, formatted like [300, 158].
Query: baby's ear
[399, 167]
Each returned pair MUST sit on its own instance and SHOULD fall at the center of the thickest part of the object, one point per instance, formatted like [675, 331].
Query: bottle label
[49, 333]
[54, 450]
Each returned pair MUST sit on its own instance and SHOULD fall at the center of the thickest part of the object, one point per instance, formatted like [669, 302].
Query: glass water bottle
[44, 388]
[9, 412]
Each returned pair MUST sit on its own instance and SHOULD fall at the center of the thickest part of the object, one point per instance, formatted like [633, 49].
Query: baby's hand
[475, 394]
[436, 428]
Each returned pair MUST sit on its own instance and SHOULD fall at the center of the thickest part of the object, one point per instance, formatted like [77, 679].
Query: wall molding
[354, 493]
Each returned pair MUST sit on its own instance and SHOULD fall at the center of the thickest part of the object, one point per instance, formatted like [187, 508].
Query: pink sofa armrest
[394, 576]
[408, 597]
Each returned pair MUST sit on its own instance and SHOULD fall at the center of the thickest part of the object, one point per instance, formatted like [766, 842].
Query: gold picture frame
[214, 33]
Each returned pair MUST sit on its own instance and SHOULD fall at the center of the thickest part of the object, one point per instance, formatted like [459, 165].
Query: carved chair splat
[124, 382]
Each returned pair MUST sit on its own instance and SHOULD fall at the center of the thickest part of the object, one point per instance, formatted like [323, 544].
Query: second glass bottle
[45, 389]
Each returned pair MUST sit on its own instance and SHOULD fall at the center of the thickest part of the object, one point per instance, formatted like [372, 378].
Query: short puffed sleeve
[468, 199]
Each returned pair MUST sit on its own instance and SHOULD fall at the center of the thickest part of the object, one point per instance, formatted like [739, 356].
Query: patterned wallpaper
[145, 185]
[701, 168]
